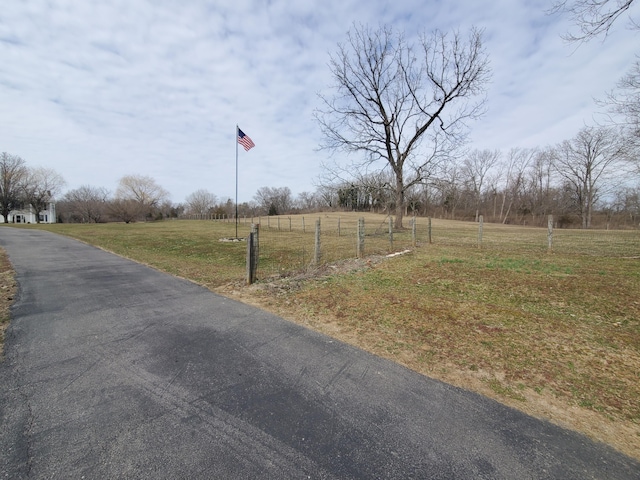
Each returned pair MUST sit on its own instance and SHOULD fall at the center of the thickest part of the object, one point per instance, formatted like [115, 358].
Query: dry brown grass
[8, 288]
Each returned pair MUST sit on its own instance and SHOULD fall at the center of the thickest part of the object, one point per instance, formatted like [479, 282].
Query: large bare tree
[586, 162]
[12, 172]
[87, 203]
[274, 201]
[124, 210]
[403, 106]
[144, 191]
[201, 202]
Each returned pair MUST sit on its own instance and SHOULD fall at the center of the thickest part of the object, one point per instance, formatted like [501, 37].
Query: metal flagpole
[236, 181]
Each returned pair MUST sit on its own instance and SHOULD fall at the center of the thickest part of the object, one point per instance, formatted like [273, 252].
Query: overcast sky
[99, 89]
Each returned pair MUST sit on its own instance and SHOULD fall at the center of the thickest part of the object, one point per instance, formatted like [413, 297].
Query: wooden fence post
[480, 224]
[256, 244]
[429, 229]
[390, 233]
[360, 245]
[550, 232]
[317, 254]
[252, 254]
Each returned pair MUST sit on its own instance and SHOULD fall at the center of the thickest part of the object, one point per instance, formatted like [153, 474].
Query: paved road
[114, 370]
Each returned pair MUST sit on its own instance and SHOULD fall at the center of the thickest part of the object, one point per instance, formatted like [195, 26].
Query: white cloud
[101, 89]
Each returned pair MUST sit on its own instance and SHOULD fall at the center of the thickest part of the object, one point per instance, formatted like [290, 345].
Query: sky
[100, 89]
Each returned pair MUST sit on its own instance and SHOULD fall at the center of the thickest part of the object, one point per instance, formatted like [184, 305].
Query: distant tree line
[590, 180]
[137, 198]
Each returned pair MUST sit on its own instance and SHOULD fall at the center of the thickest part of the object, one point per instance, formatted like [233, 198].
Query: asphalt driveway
[114, 370]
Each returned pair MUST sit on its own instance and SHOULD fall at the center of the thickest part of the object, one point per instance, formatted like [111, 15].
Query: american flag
[245, 141]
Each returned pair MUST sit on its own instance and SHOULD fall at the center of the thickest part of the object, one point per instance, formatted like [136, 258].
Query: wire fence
[294, 243]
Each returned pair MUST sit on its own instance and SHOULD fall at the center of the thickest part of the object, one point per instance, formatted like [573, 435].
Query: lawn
[553, 333]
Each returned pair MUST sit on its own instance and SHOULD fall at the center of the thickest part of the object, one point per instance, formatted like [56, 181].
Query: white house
[28, 215]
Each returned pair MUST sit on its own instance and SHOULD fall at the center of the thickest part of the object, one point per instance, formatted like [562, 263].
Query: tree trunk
[399, 203]
[590, 198]
[506, 215]
[399, 211]
[399, 191]
[495, 205]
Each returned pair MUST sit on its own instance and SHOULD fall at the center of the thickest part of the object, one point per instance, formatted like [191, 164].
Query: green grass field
[554, 333]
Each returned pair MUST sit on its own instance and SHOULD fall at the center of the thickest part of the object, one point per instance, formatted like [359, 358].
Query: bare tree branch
[592, 17]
